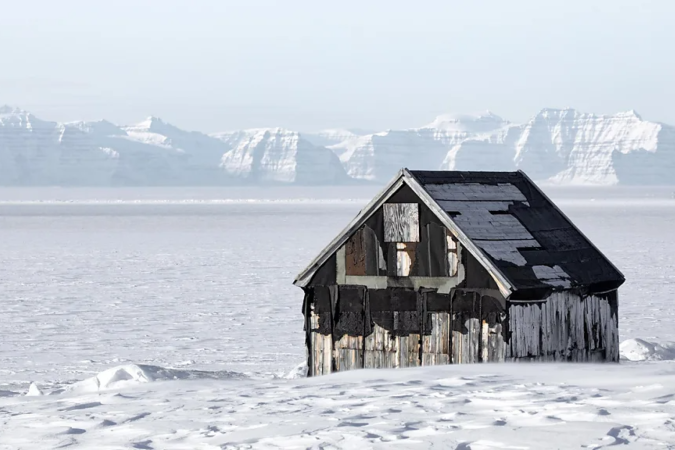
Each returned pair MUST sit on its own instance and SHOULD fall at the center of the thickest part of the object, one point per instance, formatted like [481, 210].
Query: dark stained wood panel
[355, 254]
[438, 250]
[363, 254]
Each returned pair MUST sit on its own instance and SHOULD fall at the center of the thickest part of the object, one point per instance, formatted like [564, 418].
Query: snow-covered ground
[167, 319]
[491, 406]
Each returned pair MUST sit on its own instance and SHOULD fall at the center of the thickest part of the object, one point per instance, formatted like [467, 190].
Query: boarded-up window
[405, 258]
[401, 222]
[453, 257]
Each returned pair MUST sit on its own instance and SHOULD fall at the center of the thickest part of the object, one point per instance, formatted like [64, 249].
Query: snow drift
[641, 350]
[472, 406]
[131, 374]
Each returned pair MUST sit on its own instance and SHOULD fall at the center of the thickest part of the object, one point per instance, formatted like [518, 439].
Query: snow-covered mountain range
[557, 145]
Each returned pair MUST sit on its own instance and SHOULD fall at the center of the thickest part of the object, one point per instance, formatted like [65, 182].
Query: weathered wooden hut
[448, 267]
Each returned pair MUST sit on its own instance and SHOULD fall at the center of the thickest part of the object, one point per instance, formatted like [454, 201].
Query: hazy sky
[214, 65]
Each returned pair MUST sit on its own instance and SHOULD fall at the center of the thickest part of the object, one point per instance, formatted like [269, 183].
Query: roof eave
[623, 277]
[404, 177]
[306, 274]
[505, 286]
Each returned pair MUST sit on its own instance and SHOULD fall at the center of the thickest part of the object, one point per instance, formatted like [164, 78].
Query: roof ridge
[492, 214]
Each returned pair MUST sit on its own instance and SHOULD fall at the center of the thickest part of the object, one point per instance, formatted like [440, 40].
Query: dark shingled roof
[525, 235]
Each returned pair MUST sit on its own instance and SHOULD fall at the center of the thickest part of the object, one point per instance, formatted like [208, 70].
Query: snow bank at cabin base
[641, 350]
[471, 406]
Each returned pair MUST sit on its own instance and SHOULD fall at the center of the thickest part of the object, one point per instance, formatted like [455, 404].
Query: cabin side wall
[565, 327]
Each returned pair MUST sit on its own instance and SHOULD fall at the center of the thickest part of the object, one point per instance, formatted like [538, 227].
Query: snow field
[167, 326]
[509, 406]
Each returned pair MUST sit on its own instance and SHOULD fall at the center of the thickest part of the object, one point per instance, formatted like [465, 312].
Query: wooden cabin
[447, 267]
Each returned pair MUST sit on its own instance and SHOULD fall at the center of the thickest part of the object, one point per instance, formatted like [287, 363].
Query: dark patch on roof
[529, 240]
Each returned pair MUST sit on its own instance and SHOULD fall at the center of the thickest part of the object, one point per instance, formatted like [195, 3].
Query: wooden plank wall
[459, 338]
[478, 343]
[349, 353]
[493, 348]
[477, 336]
[564, 328]
[436, 347]
[322, 349]
[385, 350]
[465, 338]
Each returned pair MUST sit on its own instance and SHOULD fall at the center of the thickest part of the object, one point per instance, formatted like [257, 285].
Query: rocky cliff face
[378, 156]
[557, 145]
[37, 152]
[281, 156]
[568, 147]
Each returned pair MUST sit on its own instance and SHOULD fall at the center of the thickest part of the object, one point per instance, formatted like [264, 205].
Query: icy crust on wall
[560, 146]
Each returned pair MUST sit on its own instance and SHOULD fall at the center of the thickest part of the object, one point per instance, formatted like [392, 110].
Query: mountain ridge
[556, 145]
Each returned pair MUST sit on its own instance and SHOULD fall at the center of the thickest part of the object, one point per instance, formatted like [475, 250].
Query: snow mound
[131, 374]
[113, 378]
[641, 350]
[34, 391]
[299, 371]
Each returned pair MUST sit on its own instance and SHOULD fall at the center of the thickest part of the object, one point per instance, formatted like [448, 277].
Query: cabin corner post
[306, 311]
[506, 329]
[334, 293]
[613, 301]
[422, 319]
[616, 312]
[367, 326]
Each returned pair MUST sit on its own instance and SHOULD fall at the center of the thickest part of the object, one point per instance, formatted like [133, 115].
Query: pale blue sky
[215, 65]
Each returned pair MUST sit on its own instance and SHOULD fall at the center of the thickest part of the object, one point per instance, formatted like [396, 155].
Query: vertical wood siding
[458, 337]
[465, 338]
[436, 346]
[477, 330]
[564, 328]
[493, 343]
[349, 353]
[385, 350]
[322, 350]
[474, 344]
